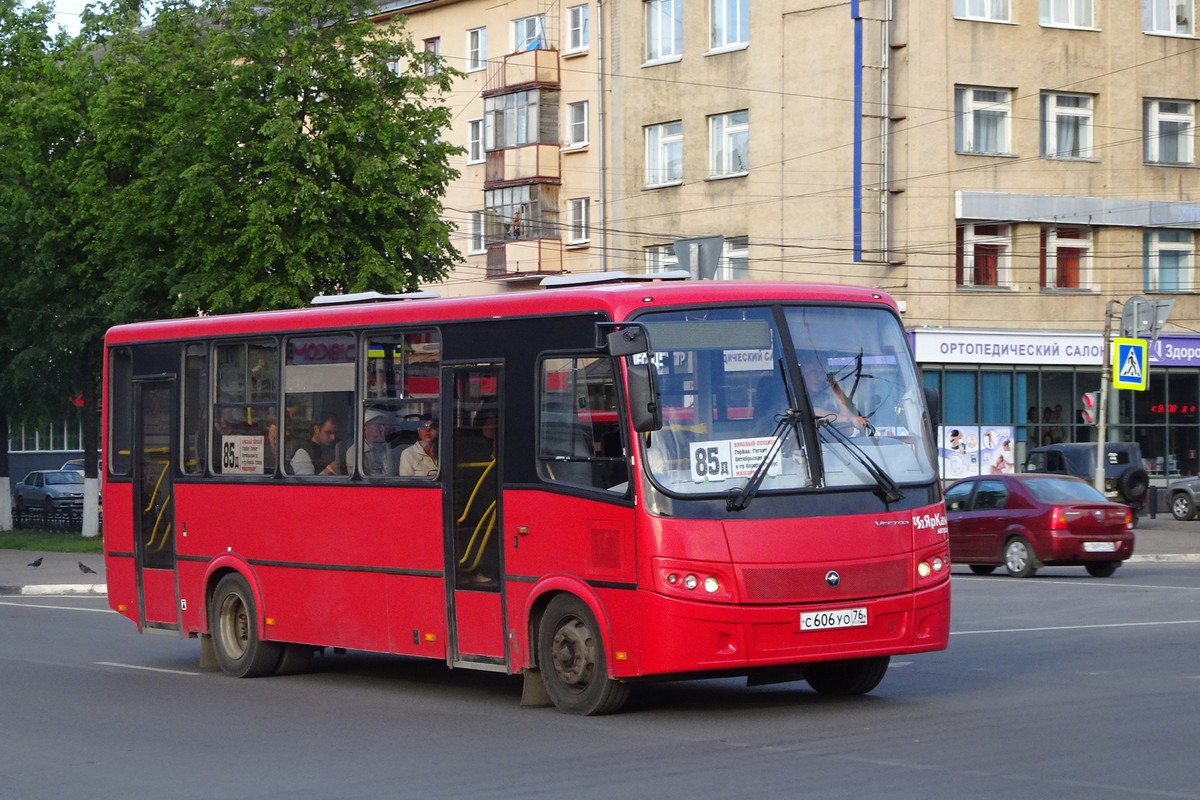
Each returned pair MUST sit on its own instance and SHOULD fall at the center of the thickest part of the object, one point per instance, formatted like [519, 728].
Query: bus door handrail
[488, 517]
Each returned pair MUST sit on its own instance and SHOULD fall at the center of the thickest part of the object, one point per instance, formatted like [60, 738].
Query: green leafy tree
[231, 156]
[277, 155]
[48, 348]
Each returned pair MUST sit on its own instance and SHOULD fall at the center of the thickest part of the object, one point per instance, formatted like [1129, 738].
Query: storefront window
[958, 399]
[996, 398]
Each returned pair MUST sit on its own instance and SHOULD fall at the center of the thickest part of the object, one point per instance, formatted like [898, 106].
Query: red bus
[593, 486]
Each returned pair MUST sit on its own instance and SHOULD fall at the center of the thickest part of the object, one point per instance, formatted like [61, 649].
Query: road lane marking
[145, 669]
[58, 608]
[1080, 627]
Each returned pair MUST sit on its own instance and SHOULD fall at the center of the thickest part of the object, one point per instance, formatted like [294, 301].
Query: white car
[52, 491]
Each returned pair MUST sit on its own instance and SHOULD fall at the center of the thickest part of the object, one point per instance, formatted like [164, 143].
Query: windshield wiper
[885, 488]
[738, 499]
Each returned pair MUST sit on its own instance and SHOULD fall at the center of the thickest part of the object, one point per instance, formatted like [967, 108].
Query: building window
[521, 212]
[1170, 256]
[1170, 131]
[664, 153]
[529, 33]
[660, 258]
[982, 120]
[982, 10]
[476, 49]
[730, 23]
[729, 144]
[735, 259]
[475, 141]
[433, 51]
[664, 30]
[1169, 16]
[1066, 13]
[578, 36]
[577, 124]
[981, 254]
[1066, 130]
[476, 242]
[511, 120]
[577, 220]
[1066, 256]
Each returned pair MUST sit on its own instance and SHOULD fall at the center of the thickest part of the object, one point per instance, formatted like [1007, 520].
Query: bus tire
[846, 678]
[233, 623]
[570, 652]
[295, 659]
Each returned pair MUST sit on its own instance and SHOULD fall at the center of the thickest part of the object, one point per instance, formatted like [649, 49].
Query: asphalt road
[1060, 686]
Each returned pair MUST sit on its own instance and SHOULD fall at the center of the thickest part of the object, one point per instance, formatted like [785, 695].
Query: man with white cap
[377, 454]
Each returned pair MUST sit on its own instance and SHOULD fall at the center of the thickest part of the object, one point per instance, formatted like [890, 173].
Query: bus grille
[806, 583]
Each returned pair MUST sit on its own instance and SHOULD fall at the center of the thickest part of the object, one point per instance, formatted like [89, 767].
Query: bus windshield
[752, 391]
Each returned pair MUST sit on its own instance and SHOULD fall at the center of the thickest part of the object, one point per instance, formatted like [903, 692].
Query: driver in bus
[318, 456]
[829, 401]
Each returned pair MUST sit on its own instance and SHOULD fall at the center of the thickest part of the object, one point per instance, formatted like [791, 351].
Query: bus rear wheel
[233, 623]
[571, 660]
[846, 678]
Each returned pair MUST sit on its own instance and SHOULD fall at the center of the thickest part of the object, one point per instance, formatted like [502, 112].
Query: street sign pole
[1102, 409]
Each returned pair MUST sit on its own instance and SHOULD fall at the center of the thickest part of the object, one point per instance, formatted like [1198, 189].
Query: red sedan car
[1033, 520]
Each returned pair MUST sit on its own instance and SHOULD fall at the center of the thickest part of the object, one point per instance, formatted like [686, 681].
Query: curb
[59, 588]
[1164, 558]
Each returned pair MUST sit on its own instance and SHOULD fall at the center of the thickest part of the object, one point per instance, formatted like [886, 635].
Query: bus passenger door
[474, 569]
[154, 508]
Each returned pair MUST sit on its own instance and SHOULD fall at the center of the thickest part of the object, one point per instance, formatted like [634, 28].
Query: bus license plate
[1099, 547]
[826, 620]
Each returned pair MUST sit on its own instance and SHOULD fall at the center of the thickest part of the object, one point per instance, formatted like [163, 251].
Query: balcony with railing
[527, 68]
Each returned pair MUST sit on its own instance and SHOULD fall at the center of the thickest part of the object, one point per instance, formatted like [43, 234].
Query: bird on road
[85, 569]
[37, 562]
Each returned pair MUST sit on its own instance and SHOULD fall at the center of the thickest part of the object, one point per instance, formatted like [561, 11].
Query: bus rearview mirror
[644, 403]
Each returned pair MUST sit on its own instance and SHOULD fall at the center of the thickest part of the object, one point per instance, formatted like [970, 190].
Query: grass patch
[50, 541]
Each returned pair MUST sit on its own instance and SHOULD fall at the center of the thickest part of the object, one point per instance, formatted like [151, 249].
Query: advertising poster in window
[975, 450]
[996, 450]
[958, 451]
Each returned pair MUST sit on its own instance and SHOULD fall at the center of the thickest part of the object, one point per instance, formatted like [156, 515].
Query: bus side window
[579, 434]
[318, 386]
[245, 398]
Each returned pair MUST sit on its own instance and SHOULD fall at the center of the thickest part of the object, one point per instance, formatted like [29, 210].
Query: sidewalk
[1162, 539]
[58, 573]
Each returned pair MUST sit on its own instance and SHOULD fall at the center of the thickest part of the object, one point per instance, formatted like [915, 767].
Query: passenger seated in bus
[421, 458]
[318, 455]
[378, 456]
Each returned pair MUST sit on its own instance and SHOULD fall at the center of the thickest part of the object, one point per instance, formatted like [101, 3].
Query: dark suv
[1125, 480]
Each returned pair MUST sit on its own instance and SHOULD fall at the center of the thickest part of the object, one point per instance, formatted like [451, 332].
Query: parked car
[1025, 522]
[77, 464]
[1183, 497]
[1125, 479]
[49, 490]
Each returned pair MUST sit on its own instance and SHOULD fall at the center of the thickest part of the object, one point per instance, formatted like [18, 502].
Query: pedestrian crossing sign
[1130, 370]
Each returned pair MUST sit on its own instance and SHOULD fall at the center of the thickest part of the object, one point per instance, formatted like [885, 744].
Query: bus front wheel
[570, 653]
[233, 623]
[845, 678]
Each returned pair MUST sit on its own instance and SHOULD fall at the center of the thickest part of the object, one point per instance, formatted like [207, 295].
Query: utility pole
[1140, 319]
[1102, 406]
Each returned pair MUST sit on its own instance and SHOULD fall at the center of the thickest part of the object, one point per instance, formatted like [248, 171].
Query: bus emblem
[833, 579]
